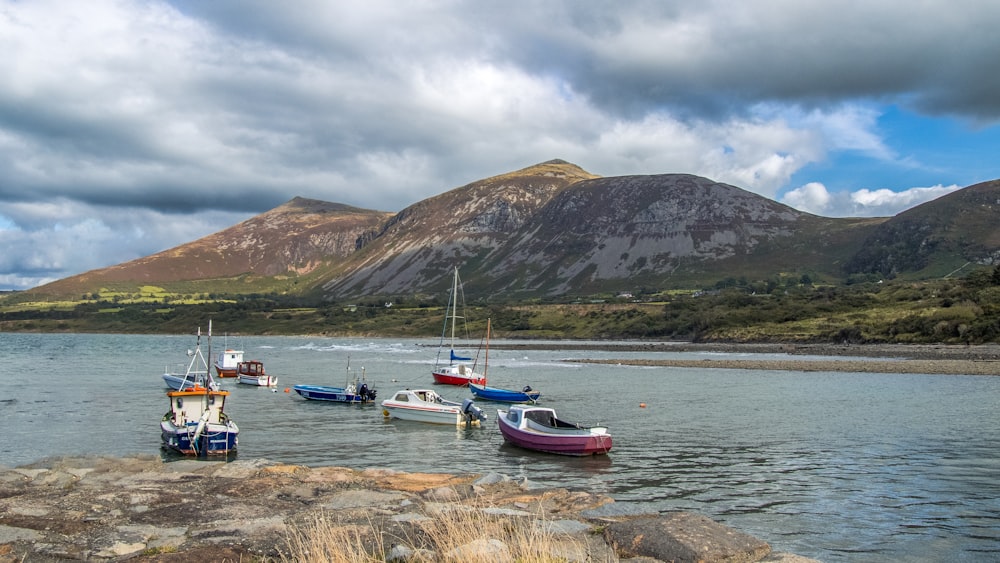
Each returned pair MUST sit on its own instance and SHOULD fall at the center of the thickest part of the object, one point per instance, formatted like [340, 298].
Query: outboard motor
[365, 393]
[471, 411]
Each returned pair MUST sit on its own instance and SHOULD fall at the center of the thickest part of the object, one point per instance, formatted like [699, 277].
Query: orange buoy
[286, 389]
[642, 405]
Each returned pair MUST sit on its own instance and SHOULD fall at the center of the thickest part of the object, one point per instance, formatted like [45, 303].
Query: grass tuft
[452, 534]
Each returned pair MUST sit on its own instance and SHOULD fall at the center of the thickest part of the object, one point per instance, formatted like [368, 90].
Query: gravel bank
[863, 358]
[941, 367]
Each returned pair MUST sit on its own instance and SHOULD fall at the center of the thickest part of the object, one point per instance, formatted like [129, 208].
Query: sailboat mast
[454, 306]
[486, 359]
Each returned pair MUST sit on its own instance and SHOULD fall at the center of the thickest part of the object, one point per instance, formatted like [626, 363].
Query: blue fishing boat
[355, 390]
[197, 423]
[348, 394]
[526, 395]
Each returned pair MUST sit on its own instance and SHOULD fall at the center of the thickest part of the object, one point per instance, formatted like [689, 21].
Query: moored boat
[336, 394]
[539, 429]
[487, 393]
[425, 405]
[355, 390]
[457, 372]
[227, 363]
[252, 373]
[197, 423]
[196, 374]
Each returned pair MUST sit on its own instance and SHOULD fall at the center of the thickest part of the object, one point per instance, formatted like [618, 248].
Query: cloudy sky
[131, 126]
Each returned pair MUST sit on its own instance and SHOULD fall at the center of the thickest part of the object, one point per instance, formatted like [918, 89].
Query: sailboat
[483, 391]
[457, 372]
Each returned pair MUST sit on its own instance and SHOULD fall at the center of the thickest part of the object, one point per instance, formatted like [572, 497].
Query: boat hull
[446, 377]
[425, 405]
[215, 439]
[324, 393]
[427, 415]
[503, 395]
[181, 382]
[226, 363]
[561, 441]
[259, 380]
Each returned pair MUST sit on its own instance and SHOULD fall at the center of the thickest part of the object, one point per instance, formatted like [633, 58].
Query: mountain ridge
[554, 229]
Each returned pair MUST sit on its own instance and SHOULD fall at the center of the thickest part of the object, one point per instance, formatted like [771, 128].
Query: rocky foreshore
[144, 509]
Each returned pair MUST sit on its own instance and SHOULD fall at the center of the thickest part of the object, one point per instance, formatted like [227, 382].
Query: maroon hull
[537, 428]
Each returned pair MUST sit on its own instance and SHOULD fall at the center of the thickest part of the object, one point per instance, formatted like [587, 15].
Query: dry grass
[326, 541]
[452, 534]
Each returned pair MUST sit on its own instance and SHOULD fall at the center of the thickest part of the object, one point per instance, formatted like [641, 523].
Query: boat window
[402, 398]
[180, 402]
[513, 416]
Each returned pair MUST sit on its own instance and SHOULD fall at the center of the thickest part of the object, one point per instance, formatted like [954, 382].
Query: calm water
[835, 466]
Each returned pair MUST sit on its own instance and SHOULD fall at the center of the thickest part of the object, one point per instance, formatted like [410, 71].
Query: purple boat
[538, 428]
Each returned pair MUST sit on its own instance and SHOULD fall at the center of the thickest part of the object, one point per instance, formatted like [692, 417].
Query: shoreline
[937, 359]
[930, 367]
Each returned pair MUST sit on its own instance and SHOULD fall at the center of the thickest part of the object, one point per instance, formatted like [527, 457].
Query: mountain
[417, 249]
[672, 229]
[938, 237]
[294, 238]
[554, 229]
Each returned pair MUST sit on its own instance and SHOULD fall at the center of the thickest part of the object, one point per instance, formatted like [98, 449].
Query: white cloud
[44, 242]
[811, 198]
[162, 110]
[816, 199]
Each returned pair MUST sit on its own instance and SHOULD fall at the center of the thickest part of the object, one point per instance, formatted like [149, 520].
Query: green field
[963, 310]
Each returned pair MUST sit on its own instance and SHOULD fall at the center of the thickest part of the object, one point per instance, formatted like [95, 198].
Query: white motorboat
[425, 405]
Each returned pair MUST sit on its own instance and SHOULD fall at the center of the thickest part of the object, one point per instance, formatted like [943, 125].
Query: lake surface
[835, 466]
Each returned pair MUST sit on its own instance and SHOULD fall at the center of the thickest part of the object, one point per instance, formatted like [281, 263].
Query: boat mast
[454, 306]
[486, 359]
[208, 371]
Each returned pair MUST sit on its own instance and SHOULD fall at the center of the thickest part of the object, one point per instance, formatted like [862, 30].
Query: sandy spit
[942, 367]
[863, 358]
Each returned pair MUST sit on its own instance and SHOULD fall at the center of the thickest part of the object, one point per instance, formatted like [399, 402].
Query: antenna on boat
[209, 380]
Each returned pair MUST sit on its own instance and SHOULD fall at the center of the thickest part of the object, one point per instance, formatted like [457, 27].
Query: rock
[442, 494]
[142, 509]
[492, 550]
[684, 537]
[406, 553]
[491, 479]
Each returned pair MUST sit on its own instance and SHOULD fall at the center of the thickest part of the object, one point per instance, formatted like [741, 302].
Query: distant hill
[293, 239]
[554, 229]
[937, 237]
